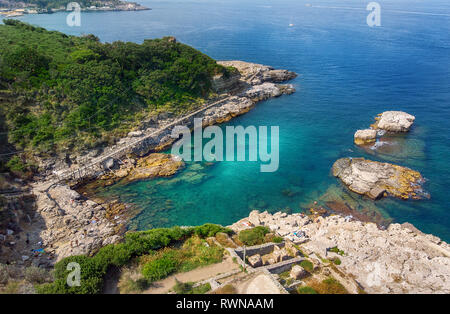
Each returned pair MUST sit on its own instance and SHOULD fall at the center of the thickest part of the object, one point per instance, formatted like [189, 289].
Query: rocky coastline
[67, 223]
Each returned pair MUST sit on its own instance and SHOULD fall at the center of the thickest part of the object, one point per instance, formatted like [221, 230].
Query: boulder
[297, 272]
[135, 133]
[366, 136]
[374, 178]
[255, 260]
[254, 218]
[394, 121]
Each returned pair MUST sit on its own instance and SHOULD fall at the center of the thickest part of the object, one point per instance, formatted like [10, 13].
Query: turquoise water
[349, 72]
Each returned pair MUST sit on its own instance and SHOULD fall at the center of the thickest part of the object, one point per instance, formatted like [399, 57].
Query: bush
[307, 265]
[188, 288]
[36, 275]
[93, 269]
[159, 268]
[253, 236]
[306, 290]
[277, 239]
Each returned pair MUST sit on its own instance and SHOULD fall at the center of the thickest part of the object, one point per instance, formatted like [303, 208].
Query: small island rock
[366, 136]
[374, 178]
[394, 121]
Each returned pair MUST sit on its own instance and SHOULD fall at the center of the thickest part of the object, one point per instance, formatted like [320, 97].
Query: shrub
[159, 268]
[329, 286]
[337, 261]
[277, 239]
[337, 251]
[307, 265]
[36, 275]
[188, 288]
[136, 244]
[253, 236]
[306, 290]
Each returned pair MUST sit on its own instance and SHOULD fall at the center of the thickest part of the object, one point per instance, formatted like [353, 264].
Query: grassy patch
[307, 265]
[337, 261]
[253, 236]
[329, 286]
[188, 288]
[306, 290]
[195, 252]
[227, 289]
[337, 251]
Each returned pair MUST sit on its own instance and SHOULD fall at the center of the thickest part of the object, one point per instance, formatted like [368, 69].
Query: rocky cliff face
[400, 259]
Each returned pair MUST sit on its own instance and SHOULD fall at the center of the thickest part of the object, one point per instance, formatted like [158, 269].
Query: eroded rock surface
[366, 136]
[74, 225]
[374, 179]
[394, 121]
[151, 166]
[400, 259]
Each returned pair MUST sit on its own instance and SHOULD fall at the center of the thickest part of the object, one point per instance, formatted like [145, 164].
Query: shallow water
[349, 73]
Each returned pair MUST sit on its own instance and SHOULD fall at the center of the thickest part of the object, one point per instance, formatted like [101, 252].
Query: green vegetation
[337, 251]
[188, 288]
[306, 290]
[194, 252]
[93, 269]
[337, 261]
[277, 239]
[329, 286]
[60, 92]
[253, 236]
[307, 265]
[56, 4]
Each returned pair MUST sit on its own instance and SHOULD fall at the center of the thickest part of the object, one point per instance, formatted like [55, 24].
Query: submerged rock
[394, 121]
[366, 136]
[377, 179]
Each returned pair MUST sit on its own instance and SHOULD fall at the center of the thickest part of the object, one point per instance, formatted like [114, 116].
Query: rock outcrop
[400, 259]
[377, 179]
[394, 121]
[363, 137]
[256, 74]
[151, 166]
[74, 225]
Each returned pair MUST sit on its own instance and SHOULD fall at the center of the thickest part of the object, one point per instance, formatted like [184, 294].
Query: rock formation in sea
[151, 166]
[388, 121]
[394, 121]
[366, 136]
[377, 179]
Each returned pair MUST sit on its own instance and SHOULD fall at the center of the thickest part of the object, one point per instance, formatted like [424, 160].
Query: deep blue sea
[349, 72]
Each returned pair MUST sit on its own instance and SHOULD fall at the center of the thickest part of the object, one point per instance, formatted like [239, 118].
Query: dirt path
[199, 274]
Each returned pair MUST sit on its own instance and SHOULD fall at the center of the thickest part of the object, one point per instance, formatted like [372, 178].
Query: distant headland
[11, 8]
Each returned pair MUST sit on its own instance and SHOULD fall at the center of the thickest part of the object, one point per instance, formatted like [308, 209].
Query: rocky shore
[400, 259]
[66, 223]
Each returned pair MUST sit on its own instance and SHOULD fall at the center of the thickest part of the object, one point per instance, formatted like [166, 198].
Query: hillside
[48, 6]
[60, 92]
